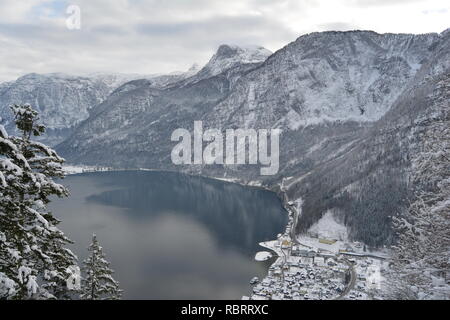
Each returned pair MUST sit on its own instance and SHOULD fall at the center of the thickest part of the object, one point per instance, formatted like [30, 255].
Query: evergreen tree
[34, 260]
[99, 283]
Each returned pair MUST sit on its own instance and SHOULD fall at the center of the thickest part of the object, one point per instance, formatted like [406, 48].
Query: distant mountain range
[63, 101]
[351, 106]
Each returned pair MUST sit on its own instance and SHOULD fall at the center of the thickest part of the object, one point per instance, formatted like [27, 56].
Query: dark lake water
[169, 235]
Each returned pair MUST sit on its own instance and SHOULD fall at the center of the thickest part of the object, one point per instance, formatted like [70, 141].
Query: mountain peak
[247, 54]
[228, 56]
[195, 67]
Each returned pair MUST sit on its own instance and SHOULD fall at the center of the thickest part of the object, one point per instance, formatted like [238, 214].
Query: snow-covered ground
[323, 263]
[75, 169]
[328, 227]
[263, 256]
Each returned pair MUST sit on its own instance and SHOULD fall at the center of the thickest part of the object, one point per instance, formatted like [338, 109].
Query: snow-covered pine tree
[98, 283]
[34, 260]
[422, 254]
[10, 176]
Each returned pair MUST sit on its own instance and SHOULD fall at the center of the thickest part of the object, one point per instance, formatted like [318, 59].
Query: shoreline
[279, 192]
[283, 246]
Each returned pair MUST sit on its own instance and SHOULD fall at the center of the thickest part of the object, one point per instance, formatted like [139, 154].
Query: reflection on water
[169, 235]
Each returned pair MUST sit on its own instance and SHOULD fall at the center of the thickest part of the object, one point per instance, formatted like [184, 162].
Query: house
[319, 261]
[331, 262]
[285, 244]
[303, 253]
[326, 241]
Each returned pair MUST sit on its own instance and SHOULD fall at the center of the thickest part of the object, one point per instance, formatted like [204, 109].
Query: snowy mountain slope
[115, 80]
[228, 56]
[63, 101]
[341, 99]
[368, 181]
[4, 86]
[327, 77]
[156, 110]
[321, 78]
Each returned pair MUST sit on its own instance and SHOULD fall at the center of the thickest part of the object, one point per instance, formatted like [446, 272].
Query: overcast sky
[154, 36]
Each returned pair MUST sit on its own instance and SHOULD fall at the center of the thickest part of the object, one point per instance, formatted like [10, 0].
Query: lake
[170, 235]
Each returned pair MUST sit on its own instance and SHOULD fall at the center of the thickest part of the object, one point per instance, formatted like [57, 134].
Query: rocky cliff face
[229, 56]
[367, 180]
[62, 100]
[348, 104]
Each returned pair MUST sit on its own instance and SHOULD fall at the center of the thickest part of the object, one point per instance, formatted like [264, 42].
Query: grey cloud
[155, 36]
[220, 29]
[380, 3]
[337, 26]
[145, 47]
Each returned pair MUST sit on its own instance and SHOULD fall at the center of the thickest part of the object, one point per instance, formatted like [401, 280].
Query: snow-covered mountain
[343, 100]
[63, 100]
[327, 76]
[347, 103]
[228, 56]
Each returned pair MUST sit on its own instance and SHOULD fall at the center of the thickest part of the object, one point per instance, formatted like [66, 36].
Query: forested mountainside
[420, 260]
[369, 181]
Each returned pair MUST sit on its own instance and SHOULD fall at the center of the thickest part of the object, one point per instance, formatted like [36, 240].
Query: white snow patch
[327, 227]
[263, 256]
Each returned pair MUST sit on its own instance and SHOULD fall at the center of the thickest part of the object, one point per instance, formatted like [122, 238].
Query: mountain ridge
[346, 101]
[329, 92]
